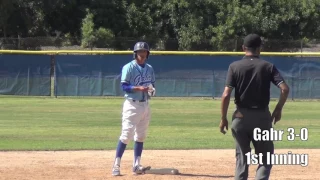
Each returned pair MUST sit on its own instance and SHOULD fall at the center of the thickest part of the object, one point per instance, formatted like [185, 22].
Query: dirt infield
[192, 164]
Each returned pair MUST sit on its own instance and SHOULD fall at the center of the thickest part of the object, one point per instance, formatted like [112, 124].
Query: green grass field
[89, 123]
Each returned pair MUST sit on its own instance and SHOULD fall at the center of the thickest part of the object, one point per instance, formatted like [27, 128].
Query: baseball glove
[151, 91]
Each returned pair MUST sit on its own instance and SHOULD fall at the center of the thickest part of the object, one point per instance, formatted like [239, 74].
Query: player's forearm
[130, 88]
[283, 96]
[127, 87]
[225, 100]
[136, 88]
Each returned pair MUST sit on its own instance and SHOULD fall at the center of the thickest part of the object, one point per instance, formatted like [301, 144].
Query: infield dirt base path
[192, 164]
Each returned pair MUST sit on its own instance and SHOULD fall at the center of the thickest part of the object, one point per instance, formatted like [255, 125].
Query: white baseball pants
[135, 121]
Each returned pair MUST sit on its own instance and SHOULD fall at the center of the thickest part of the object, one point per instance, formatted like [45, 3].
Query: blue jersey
[135, 75]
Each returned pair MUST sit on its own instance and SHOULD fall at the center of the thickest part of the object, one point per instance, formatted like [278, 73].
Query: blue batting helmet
[141, 46]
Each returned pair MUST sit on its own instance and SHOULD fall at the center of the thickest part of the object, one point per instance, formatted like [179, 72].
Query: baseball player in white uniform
[138, 82]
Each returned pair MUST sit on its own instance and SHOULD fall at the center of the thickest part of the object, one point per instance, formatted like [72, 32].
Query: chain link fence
[72, 43]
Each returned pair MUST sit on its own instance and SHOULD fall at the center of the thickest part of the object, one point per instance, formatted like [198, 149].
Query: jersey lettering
[135, 75]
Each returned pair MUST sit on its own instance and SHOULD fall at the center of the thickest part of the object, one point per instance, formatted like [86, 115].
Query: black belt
[252, 107]
[139, 100]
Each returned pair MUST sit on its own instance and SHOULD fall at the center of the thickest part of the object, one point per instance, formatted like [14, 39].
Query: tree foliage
[194, 24]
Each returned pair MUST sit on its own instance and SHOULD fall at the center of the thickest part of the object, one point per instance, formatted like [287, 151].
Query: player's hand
[276, 115]
[223, 124]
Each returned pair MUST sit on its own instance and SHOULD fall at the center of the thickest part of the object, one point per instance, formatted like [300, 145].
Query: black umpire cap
[252, 41]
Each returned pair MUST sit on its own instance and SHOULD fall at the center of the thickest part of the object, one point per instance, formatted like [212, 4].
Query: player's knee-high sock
[138, 147]
[120, 150]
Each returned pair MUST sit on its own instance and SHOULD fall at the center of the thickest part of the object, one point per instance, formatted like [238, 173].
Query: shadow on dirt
[205, 175]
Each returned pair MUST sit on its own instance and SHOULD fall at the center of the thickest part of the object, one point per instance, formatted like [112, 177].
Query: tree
[6, 9]
[87, 30]
[165, 24]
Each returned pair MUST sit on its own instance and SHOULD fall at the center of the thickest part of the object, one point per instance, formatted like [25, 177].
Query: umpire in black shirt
[251, 77]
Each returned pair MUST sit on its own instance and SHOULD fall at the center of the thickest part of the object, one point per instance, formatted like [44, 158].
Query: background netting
[25, 75]
[176, 75]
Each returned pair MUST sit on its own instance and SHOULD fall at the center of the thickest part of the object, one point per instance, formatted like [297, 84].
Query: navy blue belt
[139, 100]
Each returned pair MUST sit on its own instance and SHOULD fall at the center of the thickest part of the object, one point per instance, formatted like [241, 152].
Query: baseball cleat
[138, 169]
[116, 170]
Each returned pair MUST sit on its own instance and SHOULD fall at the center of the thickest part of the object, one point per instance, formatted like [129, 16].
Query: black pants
[243, 124]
